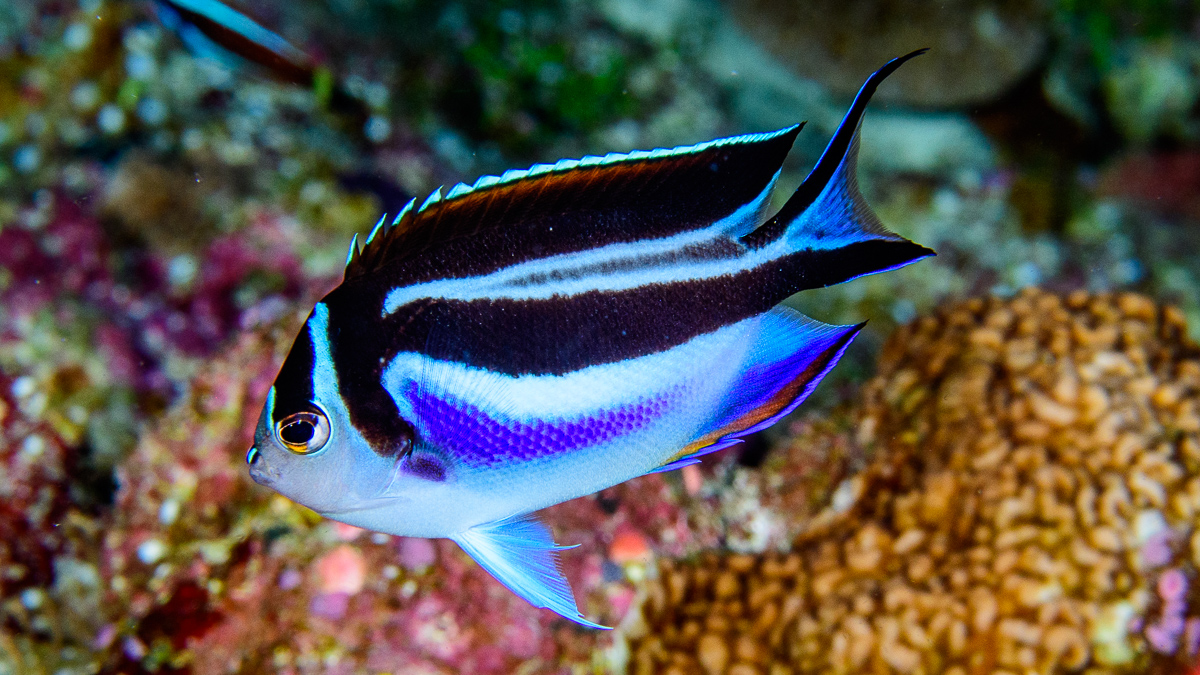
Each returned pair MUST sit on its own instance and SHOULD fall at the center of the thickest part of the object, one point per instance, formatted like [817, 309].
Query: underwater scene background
[1002, 476]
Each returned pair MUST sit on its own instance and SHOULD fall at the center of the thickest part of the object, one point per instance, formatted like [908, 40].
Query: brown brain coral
[1032, 507]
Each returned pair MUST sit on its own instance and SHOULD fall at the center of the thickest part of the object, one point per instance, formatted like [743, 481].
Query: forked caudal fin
[520, 553]
[826, 211]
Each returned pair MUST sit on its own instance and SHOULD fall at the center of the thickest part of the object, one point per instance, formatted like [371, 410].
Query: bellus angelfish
[548, 333]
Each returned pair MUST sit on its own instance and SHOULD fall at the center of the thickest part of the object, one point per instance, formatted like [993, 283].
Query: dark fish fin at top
[827, 212]
[580, 204]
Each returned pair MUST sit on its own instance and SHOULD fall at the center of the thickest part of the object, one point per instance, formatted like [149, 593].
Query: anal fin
[520, 553]
[692, 454]
[677, 464]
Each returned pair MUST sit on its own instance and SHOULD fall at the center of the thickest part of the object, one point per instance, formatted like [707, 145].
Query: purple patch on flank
[480, 440]
[425, 467]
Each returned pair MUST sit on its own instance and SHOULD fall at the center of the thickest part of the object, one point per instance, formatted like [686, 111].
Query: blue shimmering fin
[433, 198]
[827, 211]
[790, 357]
[520, 553]
[374, 230]
[677, 464]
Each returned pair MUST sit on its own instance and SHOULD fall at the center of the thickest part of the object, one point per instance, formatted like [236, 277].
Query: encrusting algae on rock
[1032, 507]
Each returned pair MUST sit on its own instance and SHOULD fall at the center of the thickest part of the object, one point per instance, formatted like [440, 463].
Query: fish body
[548, 333]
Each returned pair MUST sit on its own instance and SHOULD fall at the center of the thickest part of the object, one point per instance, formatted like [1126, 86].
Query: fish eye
[304, 432]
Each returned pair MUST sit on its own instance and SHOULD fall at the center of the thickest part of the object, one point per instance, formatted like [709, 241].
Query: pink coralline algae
[68, 259]
[341, 574]
[416, 554]
[629, 545]
[1172, 627]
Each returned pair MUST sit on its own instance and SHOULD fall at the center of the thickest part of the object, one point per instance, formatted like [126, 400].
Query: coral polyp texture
[1032, 506]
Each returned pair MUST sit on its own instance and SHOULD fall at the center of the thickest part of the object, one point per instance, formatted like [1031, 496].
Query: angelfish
[548, 333]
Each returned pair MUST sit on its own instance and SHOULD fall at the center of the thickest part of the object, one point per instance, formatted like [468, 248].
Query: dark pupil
[297, 433]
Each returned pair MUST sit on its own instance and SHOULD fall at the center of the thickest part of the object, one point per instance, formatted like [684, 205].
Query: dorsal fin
[577, 204]
[841, 153]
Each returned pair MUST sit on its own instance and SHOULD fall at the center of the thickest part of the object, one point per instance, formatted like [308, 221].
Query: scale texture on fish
[548, 333]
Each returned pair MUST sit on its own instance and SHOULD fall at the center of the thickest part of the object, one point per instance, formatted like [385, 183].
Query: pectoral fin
[520, 553]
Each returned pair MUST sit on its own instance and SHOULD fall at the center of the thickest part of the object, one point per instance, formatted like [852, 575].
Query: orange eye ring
[303, 433]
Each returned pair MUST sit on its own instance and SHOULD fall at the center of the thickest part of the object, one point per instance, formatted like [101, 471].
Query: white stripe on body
[521, 487]
[613, 267]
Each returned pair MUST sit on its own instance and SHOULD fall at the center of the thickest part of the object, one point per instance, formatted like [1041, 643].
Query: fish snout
[259, 472]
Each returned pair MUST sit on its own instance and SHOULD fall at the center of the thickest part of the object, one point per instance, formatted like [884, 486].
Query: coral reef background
[1031, 506]
[1006, 484]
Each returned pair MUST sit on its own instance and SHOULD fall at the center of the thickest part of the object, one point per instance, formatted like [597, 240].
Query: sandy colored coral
[1032, 507]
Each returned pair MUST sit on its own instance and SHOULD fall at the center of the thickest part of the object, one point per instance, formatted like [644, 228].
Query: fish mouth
[259, 473]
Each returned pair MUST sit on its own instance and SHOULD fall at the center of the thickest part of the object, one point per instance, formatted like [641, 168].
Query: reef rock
[979, 48]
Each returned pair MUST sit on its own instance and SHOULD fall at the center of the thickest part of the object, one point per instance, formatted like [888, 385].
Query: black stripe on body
[560, 335]
[557, 336]
[573, 210]
[294, 384]
[361, 349]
